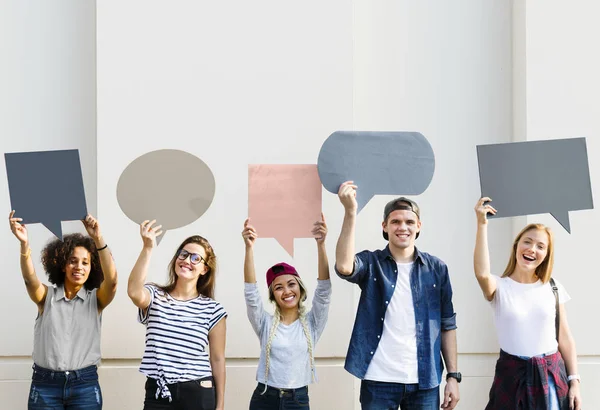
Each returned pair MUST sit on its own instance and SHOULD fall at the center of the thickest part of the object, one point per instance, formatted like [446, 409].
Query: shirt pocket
[434, 298]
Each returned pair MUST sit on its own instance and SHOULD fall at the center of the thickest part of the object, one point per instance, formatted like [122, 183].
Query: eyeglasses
[194, 257]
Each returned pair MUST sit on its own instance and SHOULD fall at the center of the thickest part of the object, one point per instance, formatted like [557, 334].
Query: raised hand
[92, 227]
[347, 195]
[482, 209]
[149, 233]
[18, 229]
[319, 230]
[249, 234]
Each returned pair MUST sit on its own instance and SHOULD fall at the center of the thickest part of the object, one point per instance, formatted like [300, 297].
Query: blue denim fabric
[73, 390]
[376, 274]
[388, 396]
[279, 399]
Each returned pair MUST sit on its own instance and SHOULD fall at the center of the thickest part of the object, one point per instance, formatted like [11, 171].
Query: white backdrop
[241, 83]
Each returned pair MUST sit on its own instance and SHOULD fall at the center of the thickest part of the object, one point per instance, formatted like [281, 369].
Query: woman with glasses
[184, 359]
[287, 365]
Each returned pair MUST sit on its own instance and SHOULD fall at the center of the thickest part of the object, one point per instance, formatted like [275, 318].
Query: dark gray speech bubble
[172, 186]
[379, 163]
[536, 177]
[46, 187]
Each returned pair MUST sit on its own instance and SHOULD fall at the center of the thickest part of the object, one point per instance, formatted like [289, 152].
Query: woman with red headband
[287, 338]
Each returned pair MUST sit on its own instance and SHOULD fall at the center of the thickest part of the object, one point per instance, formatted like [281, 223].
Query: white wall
[267, 82]
[48, 102]
[562, 65]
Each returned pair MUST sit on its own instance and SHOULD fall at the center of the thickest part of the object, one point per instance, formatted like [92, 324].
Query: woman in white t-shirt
[535, 358]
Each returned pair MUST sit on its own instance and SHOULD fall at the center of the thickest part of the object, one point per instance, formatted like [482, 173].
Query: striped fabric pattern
[177, 336]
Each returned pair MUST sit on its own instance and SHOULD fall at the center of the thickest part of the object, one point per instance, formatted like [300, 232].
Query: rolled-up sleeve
[360, 268]
[448, 314]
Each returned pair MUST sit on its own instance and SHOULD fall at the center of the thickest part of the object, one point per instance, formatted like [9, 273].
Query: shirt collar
[419, 257]
[60, 293]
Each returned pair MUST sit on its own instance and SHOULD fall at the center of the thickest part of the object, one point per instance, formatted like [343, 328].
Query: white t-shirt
[395, 359]
[524, 314]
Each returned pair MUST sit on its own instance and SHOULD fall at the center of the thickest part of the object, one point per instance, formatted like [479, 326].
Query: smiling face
[532, 249]
[286, 292]
[402, 227]
[190, 263]
[78, 267]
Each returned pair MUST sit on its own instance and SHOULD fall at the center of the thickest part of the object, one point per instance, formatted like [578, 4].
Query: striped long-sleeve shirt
[177, 337]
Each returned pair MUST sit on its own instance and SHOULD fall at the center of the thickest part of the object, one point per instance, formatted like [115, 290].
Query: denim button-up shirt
[376, 274]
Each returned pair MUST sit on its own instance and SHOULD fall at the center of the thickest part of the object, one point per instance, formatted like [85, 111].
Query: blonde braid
[308, 341]
[276, 320]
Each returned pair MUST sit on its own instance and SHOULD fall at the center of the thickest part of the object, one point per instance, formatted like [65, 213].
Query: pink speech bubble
[284, 201]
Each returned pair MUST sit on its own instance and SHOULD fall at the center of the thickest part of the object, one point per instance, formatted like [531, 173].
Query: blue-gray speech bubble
[46, 187]
[536, 177]
[379, 163]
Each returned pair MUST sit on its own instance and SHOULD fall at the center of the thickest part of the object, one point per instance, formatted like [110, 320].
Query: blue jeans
[279, 399]
[69, 390]
[388, 396]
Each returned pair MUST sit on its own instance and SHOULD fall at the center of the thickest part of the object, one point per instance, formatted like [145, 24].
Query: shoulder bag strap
[557, 319]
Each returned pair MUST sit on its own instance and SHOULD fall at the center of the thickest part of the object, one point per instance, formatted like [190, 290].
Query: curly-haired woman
[184, 359]
[66, 344]
[287, 338]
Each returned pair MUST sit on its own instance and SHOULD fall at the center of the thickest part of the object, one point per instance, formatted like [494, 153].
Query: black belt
[282, 392]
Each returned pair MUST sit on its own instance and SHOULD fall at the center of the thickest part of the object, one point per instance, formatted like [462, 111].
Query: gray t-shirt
[290, 363]
[67, 333]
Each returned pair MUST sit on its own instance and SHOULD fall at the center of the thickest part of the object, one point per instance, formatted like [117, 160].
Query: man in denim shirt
[405, 317]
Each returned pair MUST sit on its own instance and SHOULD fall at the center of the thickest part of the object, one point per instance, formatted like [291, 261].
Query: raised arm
[254, 306]
[249, 235]
[319, 311]
[35, 288]
[481, 255]
[139, 295]
[344, 250]
[108, 288]
[320, 233]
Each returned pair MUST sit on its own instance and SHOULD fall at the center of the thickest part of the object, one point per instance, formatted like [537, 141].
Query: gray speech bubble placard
[46, 187]
[172, 186]
[379, 163]
[536, 177]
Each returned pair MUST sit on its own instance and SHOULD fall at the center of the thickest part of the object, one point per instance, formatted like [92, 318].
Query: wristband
[104, 247]
[574, 377]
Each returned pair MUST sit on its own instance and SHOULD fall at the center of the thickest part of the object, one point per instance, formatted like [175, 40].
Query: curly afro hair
[56, 255]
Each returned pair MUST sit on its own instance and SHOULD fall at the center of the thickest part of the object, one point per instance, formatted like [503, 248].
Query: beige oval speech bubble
[172, 186]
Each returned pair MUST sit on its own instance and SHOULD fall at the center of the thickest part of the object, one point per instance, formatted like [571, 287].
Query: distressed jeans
[69, 390]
